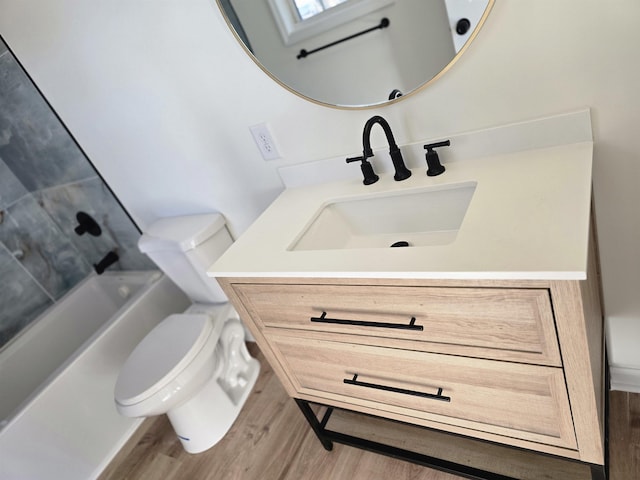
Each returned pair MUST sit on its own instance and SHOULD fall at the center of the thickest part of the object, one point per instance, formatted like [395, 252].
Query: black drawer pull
[437, 396]
[401, 326]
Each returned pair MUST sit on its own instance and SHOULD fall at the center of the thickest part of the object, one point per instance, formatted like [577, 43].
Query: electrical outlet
[264, 141]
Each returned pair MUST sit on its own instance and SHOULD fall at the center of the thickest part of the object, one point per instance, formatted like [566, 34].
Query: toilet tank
[184, 247]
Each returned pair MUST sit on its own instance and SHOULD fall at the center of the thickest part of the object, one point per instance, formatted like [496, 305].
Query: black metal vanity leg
[601, 472]
[317, 428]
[598, 472]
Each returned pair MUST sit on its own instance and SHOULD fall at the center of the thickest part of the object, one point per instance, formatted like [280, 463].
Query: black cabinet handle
[402, 326]
[437, 396]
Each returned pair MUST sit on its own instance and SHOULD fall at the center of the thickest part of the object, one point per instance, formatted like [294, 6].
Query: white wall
[160, 96]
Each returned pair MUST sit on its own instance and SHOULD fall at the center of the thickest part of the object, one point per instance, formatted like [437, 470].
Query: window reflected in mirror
[309, 8]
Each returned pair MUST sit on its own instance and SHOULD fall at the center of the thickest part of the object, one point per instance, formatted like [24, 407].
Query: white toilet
[193, 366]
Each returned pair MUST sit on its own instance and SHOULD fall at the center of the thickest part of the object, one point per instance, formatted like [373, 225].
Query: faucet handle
[367, 170]
[433, 161]
[444, 143]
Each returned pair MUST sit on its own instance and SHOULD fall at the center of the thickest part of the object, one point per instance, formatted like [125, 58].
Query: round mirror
[355, 53]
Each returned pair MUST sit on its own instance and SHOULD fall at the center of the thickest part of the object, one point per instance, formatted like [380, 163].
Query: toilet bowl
[194, 366]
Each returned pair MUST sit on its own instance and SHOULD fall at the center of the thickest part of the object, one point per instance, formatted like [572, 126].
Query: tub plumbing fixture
[108, 260]
[86, 224]
[402, 172]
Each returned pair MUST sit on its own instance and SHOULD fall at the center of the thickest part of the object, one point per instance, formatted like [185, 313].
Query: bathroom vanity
[489, 327]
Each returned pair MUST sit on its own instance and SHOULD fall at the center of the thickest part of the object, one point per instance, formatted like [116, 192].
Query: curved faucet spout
[402, 172]
[366, 135]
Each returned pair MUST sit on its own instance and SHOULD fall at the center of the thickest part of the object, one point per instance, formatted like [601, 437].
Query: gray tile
[33, 142]
[118, 232]
[46, 252]
[125, 232]
[10, 187]
[21, 299]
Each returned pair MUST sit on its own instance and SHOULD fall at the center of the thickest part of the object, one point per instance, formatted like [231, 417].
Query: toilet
[193, 366]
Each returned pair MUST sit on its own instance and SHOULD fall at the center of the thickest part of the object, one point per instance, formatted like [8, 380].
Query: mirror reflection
[354, 53]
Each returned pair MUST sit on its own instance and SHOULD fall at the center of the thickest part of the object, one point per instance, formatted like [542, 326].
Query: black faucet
[402, 172]
[109, 259]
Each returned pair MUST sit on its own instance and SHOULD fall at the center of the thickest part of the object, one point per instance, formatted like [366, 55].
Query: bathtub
[57, 416]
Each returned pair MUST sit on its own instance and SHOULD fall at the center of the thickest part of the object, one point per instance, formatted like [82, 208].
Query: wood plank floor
[272, 441]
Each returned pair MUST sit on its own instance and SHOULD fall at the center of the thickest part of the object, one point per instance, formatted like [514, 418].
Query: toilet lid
[161, 355]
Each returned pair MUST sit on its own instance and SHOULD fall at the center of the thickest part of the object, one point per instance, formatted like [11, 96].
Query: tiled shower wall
[44, 181]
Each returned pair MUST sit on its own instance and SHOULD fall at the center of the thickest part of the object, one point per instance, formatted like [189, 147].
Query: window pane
[332, 3]
[308, 8]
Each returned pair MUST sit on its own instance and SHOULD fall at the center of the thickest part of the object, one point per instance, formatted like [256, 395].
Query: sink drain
[401, 243]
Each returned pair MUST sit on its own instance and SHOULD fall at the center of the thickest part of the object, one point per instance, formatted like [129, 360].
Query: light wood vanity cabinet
[515, 362]
[448, 390]
[512, 324]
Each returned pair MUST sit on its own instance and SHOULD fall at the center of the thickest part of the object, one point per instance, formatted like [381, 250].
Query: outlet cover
[264, 141]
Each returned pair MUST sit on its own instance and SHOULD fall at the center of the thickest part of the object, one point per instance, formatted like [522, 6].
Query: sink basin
[429, 216]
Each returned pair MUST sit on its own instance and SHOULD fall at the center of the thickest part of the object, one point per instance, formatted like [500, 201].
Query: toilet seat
[161, 357]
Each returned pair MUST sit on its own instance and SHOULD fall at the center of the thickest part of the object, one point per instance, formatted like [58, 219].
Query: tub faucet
[109, 259]
[402, 172]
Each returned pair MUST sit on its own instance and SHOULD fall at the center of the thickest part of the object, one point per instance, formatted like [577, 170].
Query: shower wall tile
[45, 251]
[122, 229]
[10, 187]
[21, 299]
[33, 142]
[45, 179]
[118, 232]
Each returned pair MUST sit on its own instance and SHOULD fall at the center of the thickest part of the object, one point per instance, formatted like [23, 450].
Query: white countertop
[528, 219]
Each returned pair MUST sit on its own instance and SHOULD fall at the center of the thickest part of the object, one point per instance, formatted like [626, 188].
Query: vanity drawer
[497, 323]
[527, 402]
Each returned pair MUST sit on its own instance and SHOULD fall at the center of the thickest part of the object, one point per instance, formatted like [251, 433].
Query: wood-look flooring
[272, 441]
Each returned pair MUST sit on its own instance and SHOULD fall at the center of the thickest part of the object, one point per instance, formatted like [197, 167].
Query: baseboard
[625, 379]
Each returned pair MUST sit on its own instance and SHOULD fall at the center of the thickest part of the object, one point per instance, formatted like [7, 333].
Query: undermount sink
[429, 216]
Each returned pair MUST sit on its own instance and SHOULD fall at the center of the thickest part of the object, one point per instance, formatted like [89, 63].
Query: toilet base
[205, 419]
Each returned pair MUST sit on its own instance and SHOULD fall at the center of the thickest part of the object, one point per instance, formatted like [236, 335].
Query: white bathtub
[57, 416]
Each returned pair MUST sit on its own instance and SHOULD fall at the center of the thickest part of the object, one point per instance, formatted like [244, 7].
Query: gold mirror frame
[419, 88]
